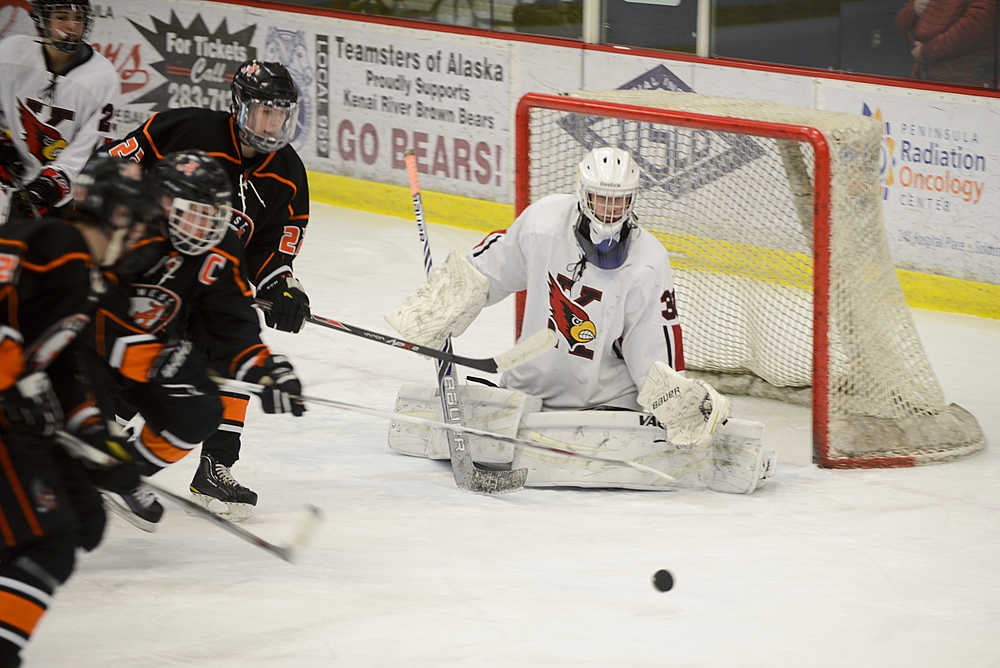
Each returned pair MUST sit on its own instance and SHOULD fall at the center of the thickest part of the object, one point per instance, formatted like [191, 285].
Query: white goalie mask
[607, 182]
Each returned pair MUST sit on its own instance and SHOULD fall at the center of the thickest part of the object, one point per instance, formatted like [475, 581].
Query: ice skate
[215, 482]
[140, 507]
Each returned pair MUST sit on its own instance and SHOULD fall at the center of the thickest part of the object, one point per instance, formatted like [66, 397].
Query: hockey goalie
[613, 386]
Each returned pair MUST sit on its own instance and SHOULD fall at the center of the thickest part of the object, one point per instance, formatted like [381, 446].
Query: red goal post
[772, 216]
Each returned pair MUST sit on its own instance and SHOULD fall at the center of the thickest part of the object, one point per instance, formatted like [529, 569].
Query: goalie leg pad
[741, 462]
[735, 461]
[492, 409]
[620, 435]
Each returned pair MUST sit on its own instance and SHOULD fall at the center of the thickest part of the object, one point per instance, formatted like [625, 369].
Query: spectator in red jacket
[954, 41]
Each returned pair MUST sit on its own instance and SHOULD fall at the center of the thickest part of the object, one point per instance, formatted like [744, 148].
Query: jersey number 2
[291, 240]
[127, 149]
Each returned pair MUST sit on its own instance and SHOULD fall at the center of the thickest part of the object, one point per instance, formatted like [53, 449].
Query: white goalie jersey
[55, 121]
[611, 325]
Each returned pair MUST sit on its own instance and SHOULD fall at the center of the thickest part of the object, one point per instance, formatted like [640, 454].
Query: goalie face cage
[773, 219]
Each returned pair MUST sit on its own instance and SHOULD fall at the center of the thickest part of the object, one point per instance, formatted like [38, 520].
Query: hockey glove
[289, 303]
[31, 405]
[48, 189]
[445, 305]
[121, 477]
[689, 410]
[180, 370]
[177, 362]
[281, 386]
[11, 167]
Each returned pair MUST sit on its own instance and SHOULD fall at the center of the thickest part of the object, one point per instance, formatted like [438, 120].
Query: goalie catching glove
[282, 389]
[690, 410]
[444, 306]
[289, 303]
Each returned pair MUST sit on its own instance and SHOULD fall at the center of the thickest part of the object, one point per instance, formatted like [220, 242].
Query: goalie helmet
[265, 104]
[109, 193]
[607, 182]
[195, 193]
[55, 20]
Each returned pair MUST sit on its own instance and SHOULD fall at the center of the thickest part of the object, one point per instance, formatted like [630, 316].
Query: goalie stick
[287, 551]
[453, 427]
[526, 349]
[467, 474]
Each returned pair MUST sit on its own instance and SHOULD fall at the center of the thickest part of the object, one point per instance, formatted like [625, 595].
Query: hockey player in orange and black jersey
[270, 198]
[187, 287]
[49, 285]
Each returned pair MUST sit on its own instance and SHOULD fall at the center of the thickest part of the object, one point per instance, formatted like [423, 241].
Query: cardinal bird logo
[43, 138]
[571, 321]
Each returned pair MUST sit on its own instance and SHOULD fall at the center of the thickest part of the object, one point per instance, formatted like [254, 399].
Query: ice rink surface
[885, 568]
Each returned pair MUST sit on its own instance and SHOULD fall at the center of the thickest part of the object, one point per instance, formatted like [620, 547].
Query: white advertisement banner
[371, 91]
[940, 176]
[446, 98]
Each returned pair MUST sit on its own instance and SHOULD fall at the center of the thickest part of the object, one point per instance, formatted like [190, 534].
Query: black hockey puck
[663, 580]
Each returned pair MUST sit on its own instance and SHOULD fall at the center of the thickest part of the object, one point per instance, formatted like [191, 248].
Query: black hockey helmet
[111, 194]
[196, 195]
[265, 104]
[42, 12]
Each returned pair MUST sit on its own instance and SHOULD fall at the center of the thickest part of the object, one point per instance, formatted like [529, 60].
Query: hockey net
[772, 215]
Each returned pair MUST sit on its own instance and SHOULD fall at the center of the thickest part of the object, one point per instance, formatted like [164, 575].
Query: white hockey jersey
[55, 120]
[611, 324]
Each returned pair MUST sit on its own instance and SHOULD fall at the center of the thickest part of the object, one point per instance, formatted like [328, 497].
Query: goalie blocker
[733, 460]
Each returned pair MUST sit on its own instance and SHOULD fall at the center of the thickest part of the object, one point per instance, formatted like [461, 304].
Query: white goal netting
[728, 186]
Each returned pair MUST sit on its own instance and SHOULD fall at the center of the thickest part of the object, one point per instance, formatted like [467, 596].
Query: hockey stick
[453, 427]
[288, 551]
[57, 336]
[17, 191]
[6, 204]
[40, 354]
[467, 474]
[526, 349]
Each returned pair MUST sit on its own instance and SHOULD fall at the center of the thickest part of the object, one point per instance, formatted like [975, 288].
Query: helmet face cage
[42, 13]
[607, 184]
[266, 125]
[195, 227]
[195, 194]
[265, 104]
